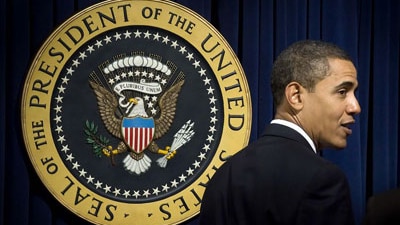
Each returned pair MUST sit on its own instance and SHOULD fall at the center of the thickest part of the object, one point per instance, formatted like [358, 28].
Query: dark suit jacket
[278, 179]
[383, 209]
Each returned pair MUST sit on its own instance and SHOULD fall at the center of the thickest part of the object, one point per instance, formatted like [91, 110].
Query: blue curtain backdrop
[257, 30]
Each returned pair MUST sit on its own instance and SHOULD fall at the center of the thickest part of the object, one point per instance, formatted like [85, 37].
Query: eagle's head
[136, 107]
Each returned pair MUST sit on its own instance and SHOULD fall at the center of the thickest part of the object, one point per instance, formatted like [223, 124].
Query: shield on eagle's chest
[138, 132]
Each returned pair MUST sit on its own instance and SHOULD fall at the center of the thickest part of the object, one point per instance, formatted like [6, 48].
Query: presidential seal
[129, 108]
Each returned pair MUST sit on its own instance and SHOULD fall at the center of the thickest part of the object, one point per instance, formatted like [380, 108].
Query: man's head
[313, 85]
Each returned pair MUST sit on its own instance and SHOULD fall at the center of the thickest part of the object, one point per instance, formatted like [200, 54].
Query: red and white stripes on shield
[138, 138]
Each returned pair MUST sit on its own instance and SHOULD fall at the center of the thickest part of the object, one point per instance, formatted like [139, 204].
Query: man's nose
[353, 107]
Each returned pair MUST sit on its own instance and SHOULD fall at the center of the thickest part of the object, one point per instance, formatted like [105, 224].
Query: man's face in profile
[330, 108]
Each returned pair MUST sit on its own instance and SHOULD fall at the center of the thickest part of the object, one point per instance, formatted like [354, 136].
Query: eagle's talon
[106, 152]
[109, 151]
[164, 152]
[171, 155]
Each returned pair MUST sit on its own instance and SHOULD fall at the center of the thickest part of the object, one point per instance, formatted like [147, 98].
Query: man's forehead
[341, 66]
[341, 78]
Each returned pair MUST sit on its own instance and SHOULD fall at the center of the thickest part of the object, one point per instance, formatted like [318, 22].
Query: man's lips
[347, 127]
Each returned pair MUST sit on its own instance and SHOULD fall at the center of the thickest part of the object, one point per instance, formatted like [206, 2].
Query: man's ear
[294, 95]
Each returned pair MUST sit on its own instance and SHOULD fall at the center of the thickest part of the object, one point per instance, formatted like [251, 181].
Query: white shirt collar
[296, 128]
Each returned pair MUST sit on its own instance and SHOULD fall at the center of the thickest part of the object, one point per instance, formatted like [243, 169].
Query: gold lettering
[238, 120]
[95, 206]
[163, 209]
[183, 206]
[181, 22]
[238, 102]
[38, 134]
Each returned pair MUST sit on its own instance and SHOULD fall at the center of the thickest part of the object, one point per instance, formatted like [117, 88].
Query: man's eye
[342, 92]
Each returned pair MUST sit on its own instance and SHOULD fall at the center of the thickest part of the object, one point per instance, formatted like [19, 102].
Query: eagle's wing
[107, 104]
[167, 105]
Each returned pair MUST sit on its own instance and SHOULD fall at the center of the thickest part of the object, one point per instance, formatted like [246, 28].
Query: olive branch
[98, 142]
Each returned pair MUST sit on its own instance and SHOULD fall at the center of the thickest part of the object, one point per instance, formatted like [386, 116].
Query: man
[383, 208]
[281, 179]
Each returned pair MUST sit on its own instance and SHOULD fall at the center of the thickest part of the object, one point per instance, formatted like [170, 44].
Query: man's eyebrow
[346, 84]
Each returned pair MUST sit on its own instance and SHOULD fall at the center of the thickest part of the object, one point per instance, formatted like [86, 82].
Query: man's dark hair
[305, 62]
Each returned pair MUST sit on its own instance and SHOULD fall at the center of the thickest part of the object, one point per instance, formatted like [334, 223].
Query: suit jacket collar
[286, 132]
